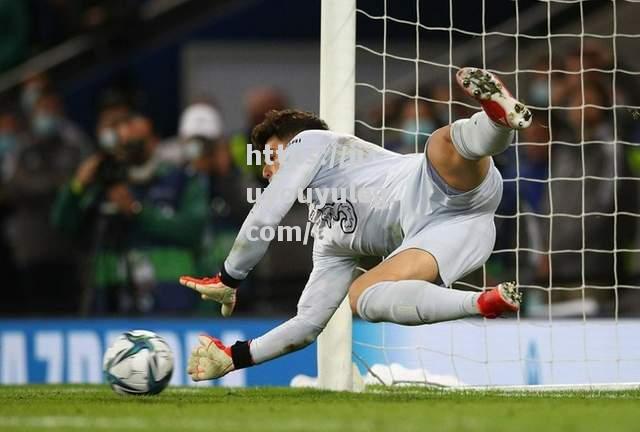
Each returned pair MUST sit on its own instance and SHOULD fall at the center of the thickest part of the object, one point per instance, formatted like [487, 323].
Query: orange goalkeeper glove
[213, 289]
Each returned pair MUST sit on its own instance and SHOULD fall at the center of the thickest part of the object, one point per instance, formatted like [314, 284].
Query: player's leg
[460, 152]
[323, 293]
[402, 289]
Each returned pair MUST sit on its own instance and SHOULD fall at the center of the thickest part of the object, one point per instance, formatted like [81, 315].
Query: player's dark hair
[285, 124]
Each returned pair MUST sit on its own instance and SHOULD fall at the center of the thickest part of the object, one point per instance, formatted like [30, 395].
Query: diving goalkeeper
[431, 215]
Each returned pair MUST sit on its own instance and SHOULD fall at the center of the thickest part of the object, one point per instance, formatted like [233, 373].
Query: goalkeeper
[432, 217]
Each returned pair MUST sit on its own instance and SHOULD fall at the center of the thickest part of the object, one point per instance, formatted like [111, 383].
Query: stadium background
[78, 60]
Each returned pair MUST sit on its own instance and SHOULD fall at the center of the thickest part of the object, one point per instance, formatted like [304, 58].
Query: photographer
[144, 220]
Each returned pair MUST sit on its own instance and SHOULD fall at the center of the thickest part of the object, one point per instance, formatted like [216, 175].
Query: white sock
[415, 302]
[479, 136]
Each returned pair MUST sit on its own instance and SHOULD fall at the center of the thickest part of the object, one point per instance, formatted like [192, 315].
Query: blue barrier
[70, 351]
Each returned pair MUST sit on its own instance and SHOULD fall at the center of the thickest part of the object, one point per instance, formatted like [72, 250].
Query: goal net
[566, 227]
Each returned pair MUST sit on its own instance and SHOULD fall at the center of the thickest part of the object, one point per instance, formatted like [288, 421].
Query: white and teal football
[139, 362]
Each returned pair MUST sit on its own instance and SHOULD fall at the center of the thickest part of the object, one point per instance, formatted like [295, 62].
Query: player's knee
[362, 305]
[356, 292]
[354, 295]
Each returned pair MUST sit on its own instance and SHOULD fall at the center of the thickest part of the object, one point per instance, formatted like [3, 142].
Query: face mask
[45, 125]
[28, 98]
[8, 142]
[539, 94]
[192, 150]
[108, 139]
[425, 126]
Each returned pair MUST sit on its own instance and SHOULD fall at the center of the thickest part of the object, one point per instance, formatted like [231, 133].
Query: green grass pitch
[97, 408]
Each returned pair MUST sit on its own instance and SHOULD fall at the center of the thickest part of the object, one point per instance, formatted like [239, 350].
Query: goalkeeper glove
[213, 289]
[209, 360]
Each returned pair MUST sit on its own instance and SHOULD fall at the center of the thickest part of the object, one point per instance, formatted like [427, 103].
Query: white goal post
[573, 334]
[337, 108]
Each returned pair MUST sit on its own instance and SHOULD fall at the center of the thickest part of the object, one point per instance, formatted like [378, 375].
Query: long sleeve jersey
[380, 199]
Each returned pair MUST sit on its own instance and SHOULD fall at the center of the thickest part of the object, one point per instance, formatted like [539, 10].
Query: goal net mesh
[566, 227]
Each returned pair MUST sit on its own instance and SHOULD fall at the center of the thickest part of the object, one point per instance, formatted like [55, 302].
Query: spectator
[145, 219]
[32, 87]
[583, 150]
[114, 107]
[200, 121]
[258, 101]
[538, 85]
[10, 131]
[417, 122]
[207, 151]
[43, 160]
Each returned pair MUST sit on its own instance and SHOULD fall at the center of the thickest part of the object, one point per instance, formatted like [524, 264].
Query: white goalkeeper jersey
[364, 200]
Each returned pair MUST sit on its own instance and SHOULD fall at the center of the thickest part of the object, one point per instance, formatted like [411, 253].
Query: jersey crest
[343, 213]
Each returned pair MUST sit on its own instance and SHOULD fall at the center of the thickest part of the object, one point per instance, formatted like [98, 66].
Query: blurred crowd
[568, 225]
[105, 222]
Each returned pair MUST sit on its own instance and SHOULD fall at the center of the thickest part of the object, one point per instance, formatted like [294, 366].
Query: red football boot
[496, 301]
[496, 100]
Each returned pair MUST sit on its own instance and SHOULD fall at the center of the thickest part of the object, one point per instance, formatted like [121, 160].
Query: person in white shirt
[430, 215]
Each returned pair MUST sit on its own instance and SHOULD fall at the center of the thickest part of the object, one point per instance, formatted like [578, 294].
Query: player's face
[271, 163]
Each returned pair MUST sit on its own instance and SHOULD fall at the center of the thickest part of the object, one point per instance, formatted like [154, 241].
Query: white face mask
[192, 150]
[108, 139]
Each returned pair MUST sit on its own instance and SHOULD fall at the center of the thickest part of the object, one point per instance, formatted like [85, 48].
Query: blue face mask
[45, 125]
[539, 94]
[425, 126]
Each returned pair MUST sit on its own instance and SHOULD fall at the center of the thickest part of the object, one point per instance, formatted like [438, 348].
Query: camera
[111, 170]
[117, 157]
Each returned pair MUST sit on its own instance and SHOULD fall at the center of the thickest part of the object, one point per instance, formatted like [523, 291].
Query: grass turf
[68, 408]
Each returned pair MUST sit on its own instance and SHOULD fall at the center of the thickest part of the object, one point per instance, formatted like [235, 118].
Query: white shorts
[459, 247]
[459, 231]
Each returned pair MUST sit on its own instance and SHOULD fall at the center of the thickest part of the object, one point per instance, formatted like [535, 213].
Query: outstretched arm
[300, 162]
[326, 288]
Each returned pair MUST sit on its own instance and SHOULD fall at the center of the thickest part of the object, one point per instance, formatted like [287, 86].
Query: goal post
[337, 108]
[577, 328]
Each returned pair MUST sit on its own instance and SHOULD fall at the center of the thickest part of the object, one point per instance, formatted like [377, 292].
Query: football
[139, 362]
